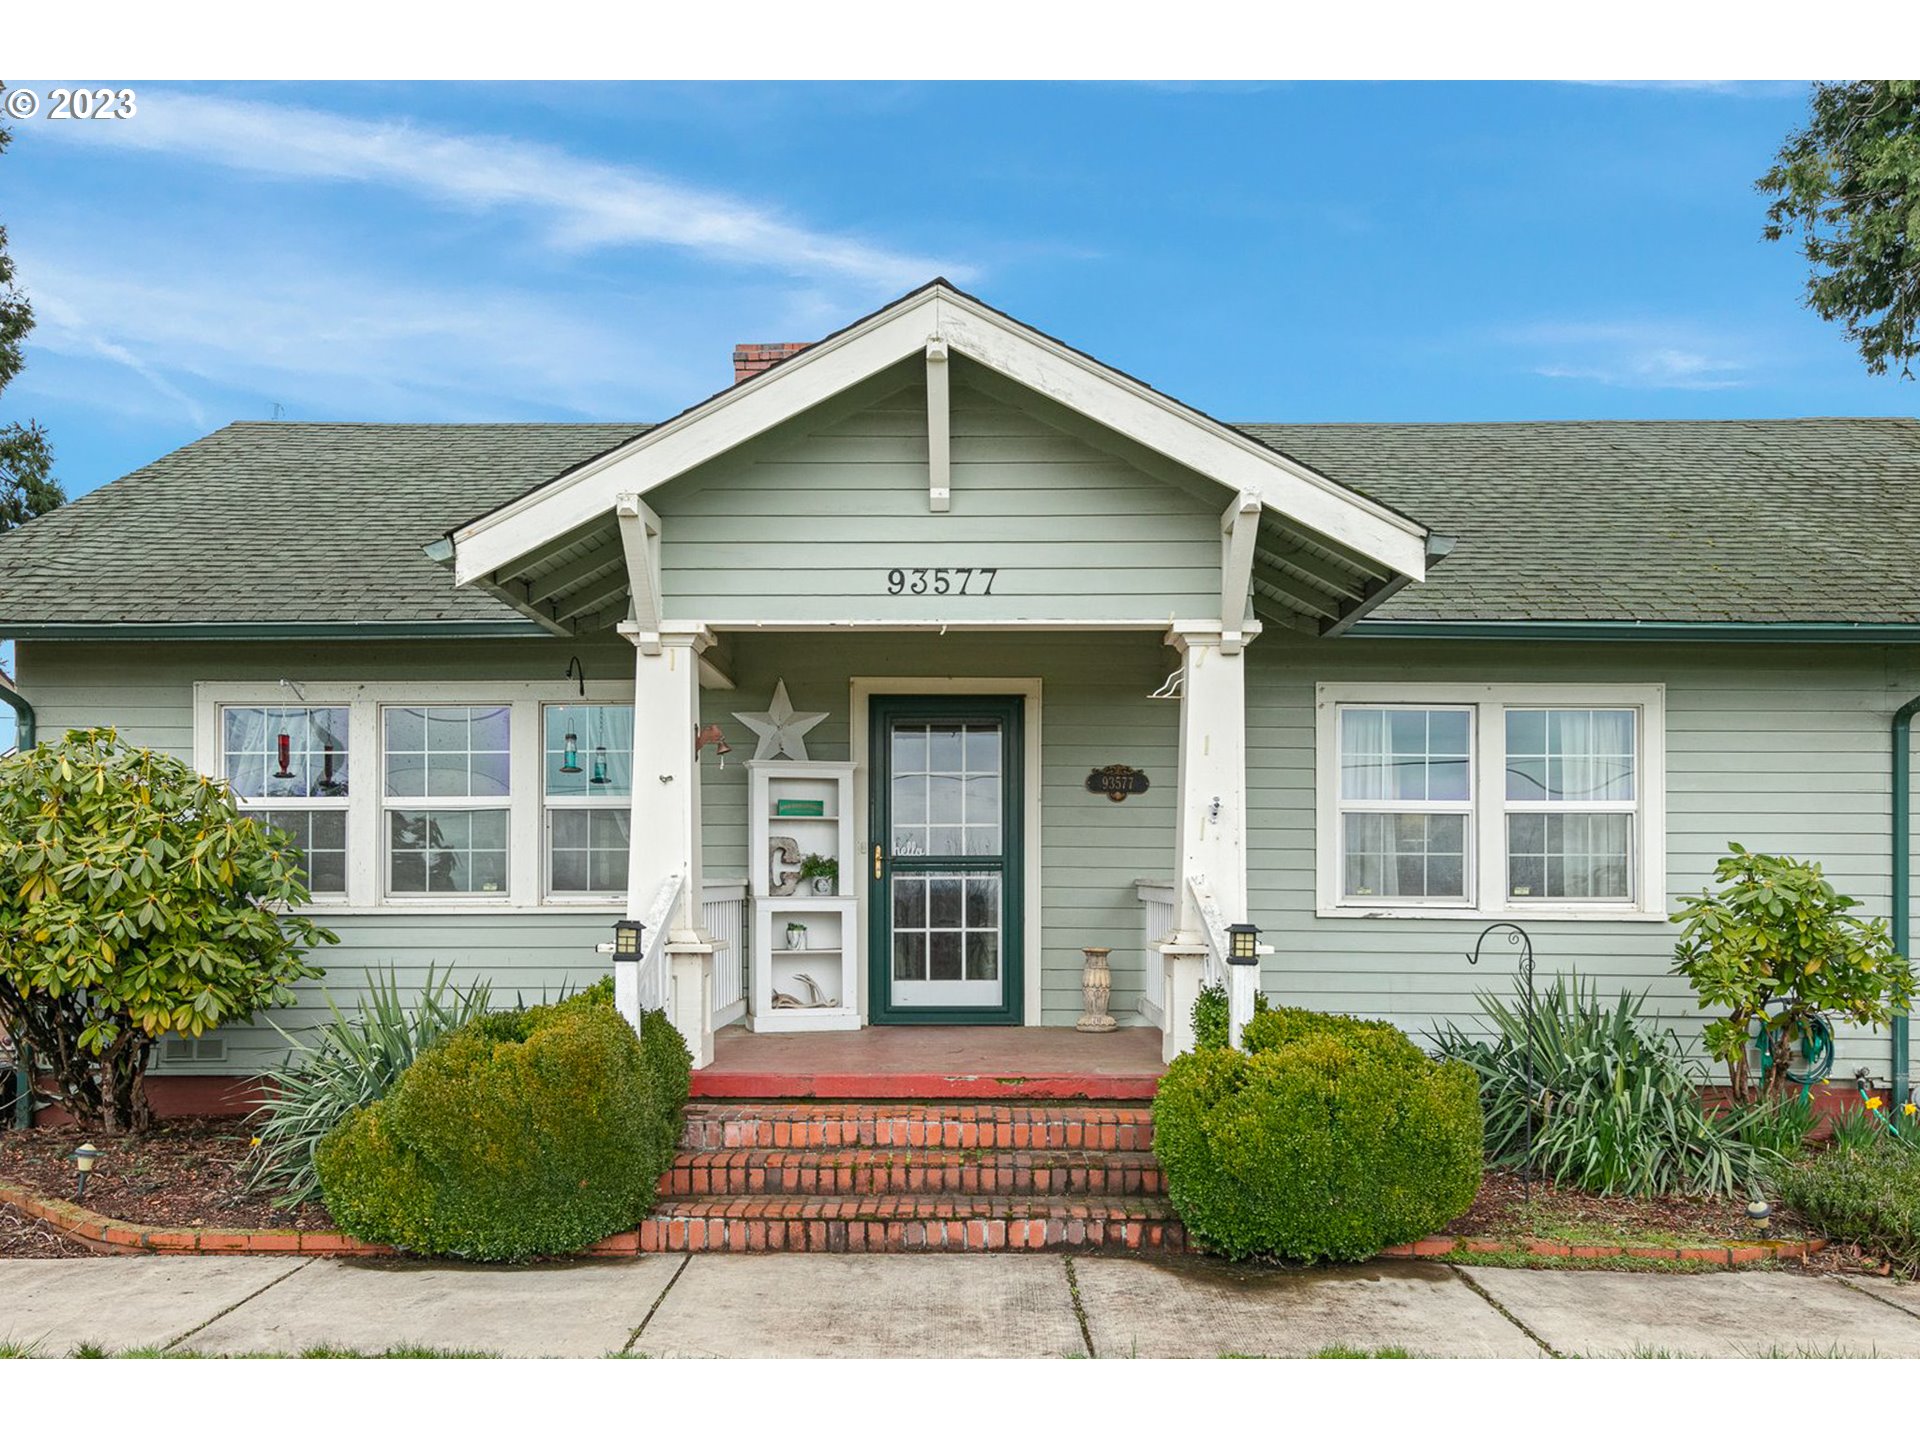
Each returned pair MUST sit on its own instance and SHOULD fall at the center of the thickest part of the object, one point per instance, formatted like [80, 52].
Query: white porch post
[1211, 819]
[665, 833]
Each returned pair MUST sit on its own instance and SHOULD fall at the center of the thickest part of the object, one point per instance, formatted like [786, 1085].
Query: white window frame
[1487, 864]
[367, 801]
[265, 804]
[1470, 860]
[551, 803]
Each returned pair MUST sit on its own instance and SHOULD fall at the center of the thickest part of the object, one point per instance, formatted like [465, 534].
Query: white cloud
[1639, 355]
[581, 203]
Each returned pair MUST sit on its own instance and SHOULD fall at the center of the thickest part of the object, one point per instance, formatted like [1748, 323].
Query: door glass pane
[946, 789]
[946, 927]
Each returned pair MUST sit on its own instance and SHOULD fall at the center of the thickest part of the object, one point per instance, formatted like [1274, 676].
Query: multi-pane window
[1571, 796]
[587, 781]
[1405, 802]
[946, 788]
[446, 798]
[288, 766]
[1498, 799]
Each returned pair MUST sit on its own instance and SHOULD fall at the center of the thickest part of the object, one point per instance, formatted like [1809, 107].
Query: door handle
[876, 862]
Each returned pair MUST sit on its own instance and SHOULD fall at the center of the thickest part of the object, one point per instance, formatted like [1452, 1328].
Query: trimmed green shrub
[1614, 1101]
[351, 1061]
[1210, 1016]
[1867, 1194]
[1328, 1138]
[530, 1132]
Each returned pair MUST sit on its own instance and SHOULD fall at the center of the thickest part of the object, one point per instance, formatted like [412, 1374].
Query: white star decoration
[782, 729]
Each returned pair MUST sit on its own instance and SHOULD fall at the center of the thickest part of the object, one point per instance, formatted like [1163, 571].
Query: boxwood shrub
[1327, 1138]
[530, 1132]
[1864, 1193]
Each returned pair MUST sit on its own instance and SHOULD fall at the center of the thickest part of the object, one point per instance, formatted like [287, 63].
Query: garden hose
[1816, 1053]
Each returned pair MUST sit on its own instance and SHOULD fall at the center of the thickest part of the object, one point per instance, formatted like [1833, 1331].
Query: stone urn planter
[1096, 990]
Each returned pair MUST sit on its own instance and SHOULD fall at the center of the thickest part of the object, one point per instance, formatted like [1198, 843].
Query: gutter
[1786, 632]
[502, 629]
[1902, 876]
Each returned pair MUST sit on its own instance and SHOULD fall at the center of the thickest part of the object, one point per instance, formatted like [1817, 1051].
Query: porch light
[626, 939]
[599, 776]
[570, 757]
[285, 772]
[1243, 943]
[84, 1159]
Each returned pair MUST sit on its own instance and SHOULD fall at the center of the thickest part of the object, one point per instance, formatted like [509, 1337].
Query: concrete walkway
[934, 1305]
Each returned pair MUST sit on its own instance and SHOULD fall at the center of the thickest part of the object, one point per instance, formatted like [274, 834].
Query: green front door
[945, 862]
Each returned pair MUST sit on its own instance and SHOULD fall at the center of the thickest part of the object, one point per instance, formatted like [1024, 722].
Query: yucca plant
[348, 1062]
[1615, 1101]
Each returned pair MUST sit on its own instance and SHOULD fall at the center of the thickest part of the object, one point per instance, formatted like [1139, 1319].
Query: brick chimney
[750, 360]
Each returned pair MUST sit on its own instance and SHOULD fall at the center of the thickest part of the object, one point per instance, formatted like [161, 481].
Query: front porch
[934, 1062]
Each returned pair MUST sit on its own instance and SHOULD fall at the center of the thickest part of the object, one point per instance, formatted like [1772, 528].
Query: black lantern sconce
[627, 936]
[1243, 943]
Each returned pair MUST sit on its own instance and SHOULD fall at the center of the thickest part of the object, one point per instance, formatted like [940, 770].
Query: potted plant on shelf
[823, 872]
[796, 936]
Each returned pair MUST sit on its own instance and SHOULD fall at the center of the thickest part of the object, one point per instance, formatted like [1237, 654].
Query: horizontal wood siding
[1094, 711]
[1781, 749]
[806, 524]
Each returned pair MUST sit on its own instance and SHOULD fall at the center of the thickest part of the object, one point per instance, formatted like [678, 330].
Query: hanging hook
[574, 667]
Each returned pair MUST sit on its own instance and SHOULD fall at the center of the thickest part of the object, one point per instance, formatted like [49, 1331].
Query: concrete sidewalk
[934, 1305]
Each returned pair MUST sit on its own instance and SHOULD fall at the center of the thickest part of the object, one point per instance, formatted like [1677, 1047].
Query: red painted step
[857, 1171]
[837, 1126]
[907, 1224]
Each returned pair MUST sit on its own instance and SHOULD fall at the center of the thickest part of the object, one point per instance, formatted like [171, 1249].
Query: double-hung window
[447, 798]
[1492, 800]
[588, 787]
[288, 765]
[1406, 802]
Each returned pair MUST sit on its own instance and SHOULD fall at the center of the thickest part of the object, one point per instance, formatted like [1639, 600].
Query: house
[1070, 664]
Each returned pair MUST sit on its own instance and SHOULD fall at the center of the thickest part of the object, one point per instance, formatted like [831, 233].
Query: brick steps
[912, 1172]
[892, 1176]
[838, 1125]
[906, 1224]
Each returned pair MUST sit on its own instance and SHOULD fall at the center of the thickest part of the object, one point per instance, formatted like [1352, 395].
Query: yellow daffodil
[1873, 1102]
[1909, 1108]
[256, 1139]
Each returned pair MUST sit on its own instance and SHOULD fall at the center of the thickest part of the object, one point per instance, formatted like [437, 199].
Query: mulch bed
[182, 1173]
[1502, 1210]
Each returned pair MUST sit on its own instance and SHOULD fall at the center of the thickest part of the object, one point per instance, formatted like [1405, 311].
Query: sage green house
[958, 652]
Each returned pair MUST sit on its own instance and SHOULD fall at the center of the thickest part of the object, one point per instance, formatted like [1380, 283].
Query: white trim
[862, 689]
[1487, 864]
[1105, 396]
[366, 801]
[939, 431]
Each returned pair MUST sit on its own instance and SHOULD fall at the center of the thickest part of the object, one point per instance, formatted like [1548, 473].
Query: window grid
[1399, 840]
[307, 795]
[1572, 803]
[586, 812]
[446, 800]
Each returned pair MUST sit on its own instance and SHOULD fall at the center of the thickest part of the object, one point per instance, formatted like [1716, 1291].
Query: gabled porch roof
[1303, 550]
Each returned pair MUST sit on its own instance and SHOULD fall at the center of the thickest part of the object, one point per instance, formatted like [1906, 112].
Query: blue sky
[1293, 252]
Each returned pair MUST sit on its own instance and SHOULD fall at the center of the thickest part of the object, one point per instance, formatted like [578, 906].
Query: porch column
[1210, 843]
[665, 830]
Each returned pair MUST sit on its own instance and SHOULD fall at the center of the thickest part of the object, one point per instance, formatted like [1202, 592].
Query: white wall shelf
[830, 949]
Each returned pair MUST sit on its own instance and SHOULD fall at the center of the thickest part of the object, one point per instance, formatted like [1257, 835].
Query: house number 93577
[945, 580]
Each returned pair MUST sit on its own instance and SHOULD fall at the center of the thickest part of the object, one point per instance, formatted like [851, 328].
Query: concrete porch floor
[934, 1062]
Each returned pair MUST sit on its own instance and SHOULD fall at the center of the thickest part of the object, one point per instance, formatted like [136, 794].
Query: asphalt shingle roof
[1757, 521]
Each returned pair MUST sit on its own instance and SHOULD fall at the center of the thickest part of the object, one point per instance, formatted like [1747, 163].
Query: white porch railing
[723, 914]
[1240, 981]
[1156, 924]
[643, 984]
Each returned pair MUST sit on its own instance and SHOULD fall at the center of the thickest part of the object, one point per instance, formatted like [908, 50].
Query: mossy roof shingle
[1755, 521]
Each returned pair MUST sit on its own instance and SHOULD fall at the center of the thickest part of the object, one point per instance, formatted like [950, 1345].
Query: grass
[1523, 1260]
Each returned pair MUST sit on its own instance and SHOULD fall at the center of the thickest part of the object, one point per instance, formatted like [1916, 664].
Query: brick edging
[107, 1236]
[1727, 1256]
